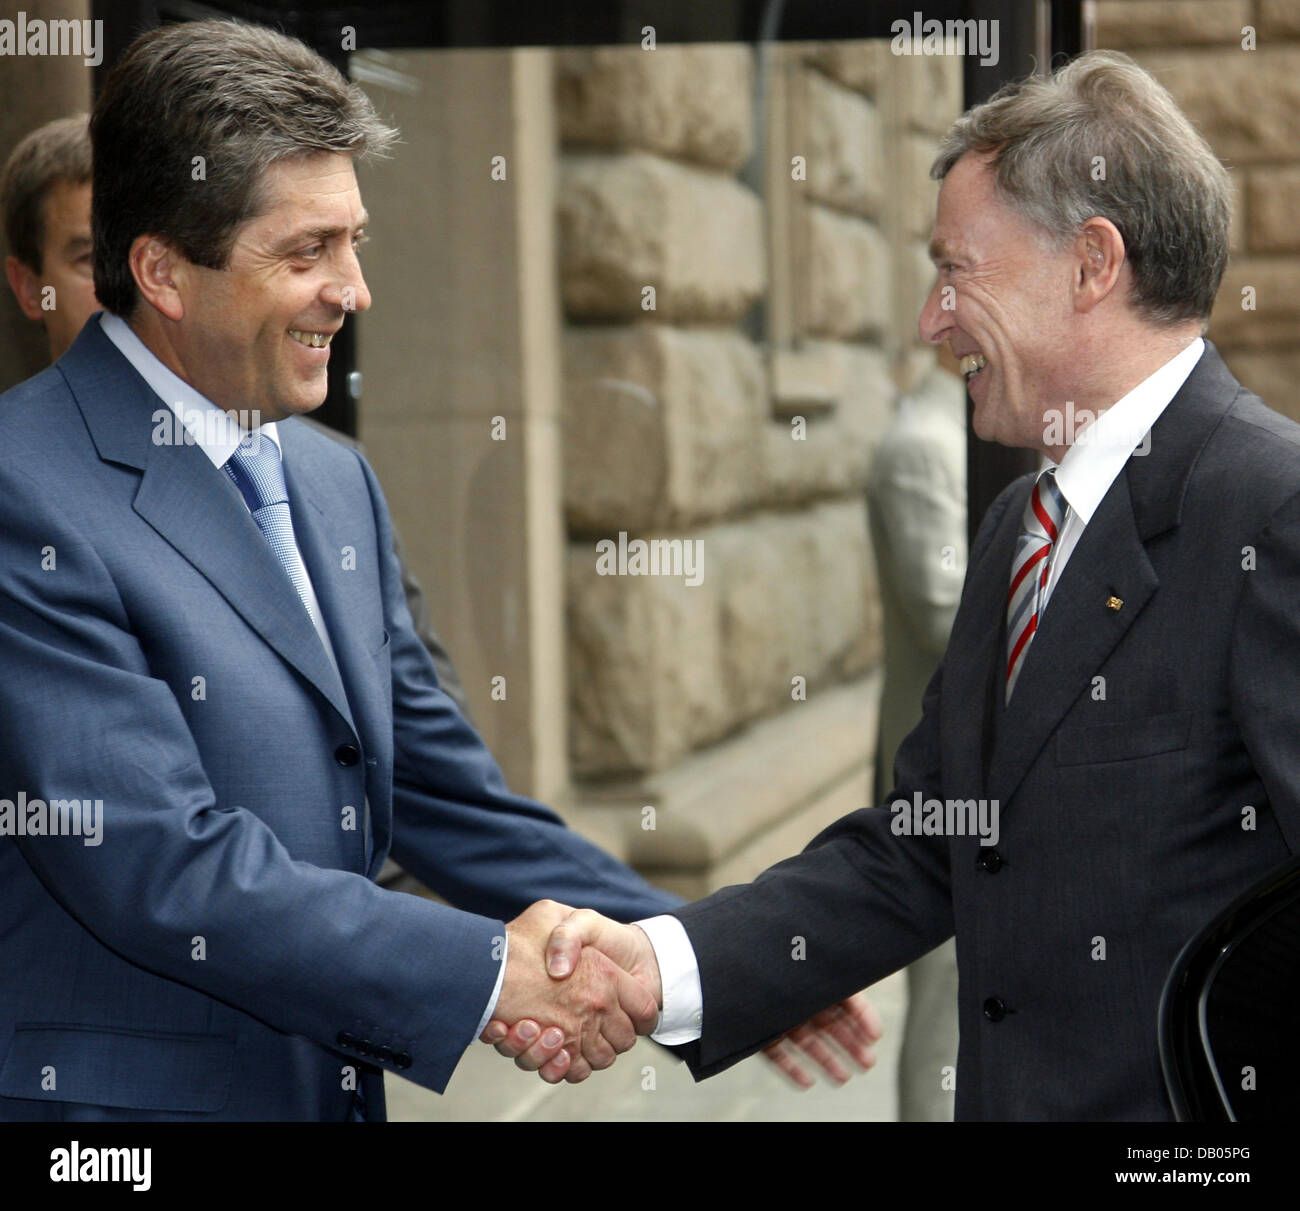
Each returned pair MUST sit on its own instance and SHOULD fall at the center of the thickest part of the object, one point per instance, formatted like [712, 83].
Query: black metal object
[1227, 1025]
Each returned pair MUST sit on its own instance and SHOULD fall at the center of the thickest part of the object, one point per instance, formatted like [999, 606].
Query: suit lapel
[190, 503]
[972, 655]
[1080, 628]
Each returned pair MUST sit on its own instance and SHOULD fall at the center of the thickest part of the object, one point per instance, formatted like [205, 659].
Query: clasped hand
[579, 988]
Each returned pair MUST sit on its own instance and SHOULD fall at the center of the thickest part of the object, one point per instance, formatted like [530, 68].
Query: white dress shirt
[1084, 474]
[218, 434]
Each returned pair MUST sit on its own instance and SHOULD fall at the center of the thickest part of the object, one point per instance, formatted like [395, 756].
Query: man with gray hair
[1122, 680]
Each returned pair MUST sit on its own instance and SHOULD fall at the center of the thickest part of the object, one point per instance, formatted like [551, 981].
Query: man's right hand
[577, 938]
[592, 1007]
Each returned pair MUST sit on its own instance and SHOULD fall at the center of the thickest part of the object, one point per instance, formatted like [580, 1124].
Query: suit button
[347, 754]
[365, 1047]
[384, 1055]
[345, 1040]
[995, 1009]
[989, 861]
[402, 1059]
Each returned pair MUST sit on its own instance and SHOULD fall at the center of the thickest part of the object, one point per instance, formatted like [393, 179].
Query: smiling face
[255, 335]
[1003, 294]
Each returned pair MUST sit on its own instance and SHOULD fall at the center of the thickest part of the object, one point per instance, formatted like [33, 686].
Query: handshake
[579, 988]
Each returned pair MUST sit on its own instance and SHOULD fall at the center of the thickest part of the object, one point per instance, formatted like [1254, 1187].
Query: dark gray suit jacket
[1147, 771]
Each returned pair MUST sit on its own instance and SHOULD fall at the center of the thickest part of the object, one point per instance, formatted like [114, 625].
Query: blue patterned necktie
[256, 471]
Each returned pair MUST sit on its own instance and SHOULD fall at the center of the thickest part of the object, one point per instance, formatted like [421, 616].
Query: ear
[160, 274]
[1101, 255]
[25, 282]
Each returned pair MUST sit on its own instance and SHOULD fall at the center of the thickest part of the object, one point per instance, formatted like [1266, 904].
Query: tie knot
[1045, 507]
[255, 468]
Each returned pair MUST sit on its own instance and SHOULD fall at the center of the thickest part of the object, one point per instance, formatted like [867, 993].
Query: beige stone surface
[917, 277]
[1276, 318]
[631, 221]
[847, 290]
[1244, 102]
[920, 194]
[844, 147]
[662, 425]
[1278, 18]
[857, 64]
[724, 800]
[658, 668]
[1273, 199]
[835, 451]
[695, 101]
[1272, 374]
[1123, 24]
[929, 91]
[645, 665]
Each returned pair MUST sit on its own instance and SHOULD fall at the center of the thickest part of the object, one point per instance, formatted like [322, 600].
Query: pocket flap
[1124, 739]
[103, 1066]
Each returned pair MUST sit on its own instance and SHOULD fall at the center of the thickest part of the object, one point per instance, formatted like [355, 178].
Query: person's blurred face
[255, 335]
[1002, 295]
[65, 267]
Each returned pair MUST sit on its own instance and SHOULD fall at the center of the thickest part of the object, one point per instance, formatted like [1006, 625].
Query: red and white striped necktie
[1039, 528]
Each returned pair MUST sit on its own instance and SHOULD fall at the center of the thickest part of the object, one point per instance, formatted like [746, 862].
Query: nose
[936, 318]
[347, 289]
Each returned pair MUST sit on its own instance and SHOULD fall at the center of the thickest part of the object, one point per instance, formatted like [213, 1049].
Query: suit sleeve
[457, 827]
[859, 903]
[195, 890]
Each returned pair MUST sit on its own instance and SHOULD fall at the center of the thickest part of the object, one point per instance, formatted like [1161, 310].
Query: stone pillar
[460, 354]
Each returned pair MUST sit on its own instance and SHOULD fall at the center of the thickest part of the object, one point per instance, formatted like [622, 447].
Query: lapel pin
[1114, 603]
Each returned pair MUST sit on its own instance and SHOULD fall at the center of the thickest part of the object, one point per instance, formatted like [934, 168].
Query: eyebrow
[314, 235]
[940, 251]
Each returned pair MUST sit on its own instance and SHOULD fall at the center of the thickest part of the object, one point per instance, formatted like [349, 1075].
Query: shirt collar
[201, 422]
[1095, 459]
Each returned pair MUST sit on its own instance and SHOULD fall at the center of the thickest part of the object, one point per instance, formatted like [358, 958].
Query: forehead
[973, 219]
[317, 192]
[66, 210]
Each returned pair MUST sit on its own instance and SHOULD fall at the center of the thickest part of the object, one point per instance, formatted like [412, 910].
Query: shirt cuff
[682, 1018]
[496, 992]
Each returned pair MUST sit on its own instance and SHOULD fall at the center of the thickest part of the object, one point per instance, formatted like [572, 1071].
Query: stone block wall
[704, 191]
[1234, 67]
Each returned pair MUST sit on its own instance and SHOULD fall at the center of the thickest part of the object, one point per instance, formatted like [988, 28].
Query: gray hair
[1102, 137]
[188, 123]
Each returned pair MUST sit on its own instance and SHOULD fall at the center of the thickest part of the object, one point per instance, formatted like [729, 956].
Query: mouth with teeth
[971, 365]
[313, 340]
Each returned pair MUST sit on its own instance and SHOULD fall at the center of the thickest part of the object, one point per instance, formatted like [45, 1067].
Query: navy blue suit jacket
[224, 952]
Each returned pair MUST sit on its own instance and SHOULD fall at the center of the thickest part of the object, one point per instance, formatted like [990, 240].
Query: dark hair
[185, 128]
[56, 152]
[1102, 137]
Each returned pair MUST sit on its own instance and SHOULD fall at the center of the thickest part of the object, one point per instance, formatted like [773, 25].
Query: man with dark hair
[1106, 757]
[45, 197]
